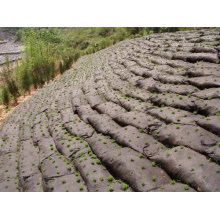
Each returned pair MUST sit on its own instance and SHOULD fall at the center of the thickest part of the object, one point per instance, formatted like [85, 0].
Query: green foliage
[5, 95]
[133, 30]
[61, 68]
[110, 178]
[154, 178]
[110, 189]
[186, 187]
[125, 186]
[8, 79]
[140, 155]
[13, 89]
[41, 52]
[162, 187]
[81, 188]
[153, 163]
[24, 77]
[68, 62]
[143, 166]
[172, 182]
[8, 109]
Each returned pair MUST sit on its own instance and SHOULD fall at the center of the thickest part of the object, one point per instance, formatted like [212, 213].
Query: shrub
[13, 89]
[143, 166]
[153, 163]
[110, 189]
[25, 79]
[172, 182]
[61, 68]
[217, 170]
[140, 155]
[5, 96]
[162, 187]
[52, 70]
[98, 161]
[186, 187]
[125, 186]
[154, 178]
[110, 178]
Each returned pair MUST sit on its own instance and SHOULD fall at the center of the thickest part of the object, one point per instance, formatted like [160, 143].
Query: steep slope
[142, 115]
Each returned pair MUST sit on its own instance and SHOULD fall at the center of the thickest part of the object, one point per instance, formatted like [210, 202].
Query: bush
[110, 178]
[133, 30]
[186, 187]
[103, 43]
[76, 56]
[111, 189]
[125, 186]
[5, 96]
[104, 31]
[61, 68]
[25, 80]
[13, 89]
[52, 70]
[67, 63]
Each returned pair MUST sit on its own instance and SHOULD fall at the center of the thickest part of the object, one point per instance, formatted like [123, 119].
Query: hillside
[41, 53]
[9, 47]
[141, 115]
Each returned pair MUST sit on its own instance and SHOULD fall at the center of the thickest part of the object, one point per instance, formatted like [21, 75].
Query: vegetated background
[51, 51]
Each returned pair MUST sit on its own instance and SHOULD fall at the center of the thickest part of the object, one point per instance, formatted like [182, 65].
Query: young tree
[5, 96]
[52, 70]
[25, 78]
[6, 70]
[40, 51]
[7, 78]
[13, 89]
[61, 69]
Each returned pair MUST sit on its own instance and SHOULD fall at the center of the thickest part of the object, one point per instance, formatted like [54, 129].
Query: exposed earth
[142, 115]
